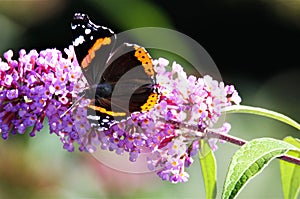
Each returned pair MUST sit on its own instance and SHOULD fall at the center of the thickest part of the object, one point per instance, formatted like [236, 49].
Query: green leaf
[250, 160]
[209, 171]
[290, 173]
[262, 112]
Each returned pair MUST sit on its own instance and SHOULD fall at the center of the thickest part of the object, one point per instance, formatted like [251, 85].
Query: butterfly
[121, 78]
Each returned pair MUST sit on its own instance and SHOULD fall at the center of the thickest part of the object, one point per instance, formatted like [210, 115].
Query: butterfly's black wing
[121, 81]
[93, 45]
[130, 73]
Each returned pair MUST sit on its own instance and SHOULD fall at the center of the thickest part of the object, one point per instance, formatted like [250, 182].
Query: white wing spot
[93, 117]
[105, 120]
[87, 31]
[79, 40]
[73, 27]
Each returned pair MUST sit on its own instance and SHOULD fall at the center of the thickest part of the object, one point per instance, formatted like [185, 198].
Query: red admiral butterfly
[114, 93]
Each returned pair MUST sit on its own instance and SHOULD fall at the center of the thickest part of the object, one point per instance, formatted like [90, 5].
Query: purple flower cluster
[188, 108]
[171, 132]
[44, 84]
[36, 86]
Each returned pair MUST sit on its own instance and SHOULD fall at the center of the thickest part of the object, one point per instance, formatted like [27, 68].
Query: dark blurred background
[254, 43]
[254, 38]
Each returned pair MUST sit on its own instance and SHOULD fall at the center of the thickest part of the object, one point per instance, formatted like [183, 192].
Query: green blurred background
[254, 43]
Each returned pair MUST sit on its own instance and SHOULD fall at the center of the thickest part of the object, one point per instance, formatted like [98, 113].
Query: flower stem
[240, 142]
[262, 112]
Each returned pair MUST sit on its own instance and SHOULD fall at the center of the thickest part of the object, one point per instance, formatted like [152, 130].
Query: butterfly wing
[125, 58]
[121, 82]
[126, 72]
[93, 45]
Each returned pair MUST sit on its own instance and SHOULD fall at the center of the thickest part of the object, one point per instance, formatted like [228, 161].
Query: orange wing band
[151, 101]
[91, 53]
[144, 57]
[103, 110]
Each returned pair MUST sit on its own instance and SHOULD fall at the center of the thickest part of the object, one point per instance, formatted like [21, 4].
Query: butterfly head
[103, 90]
